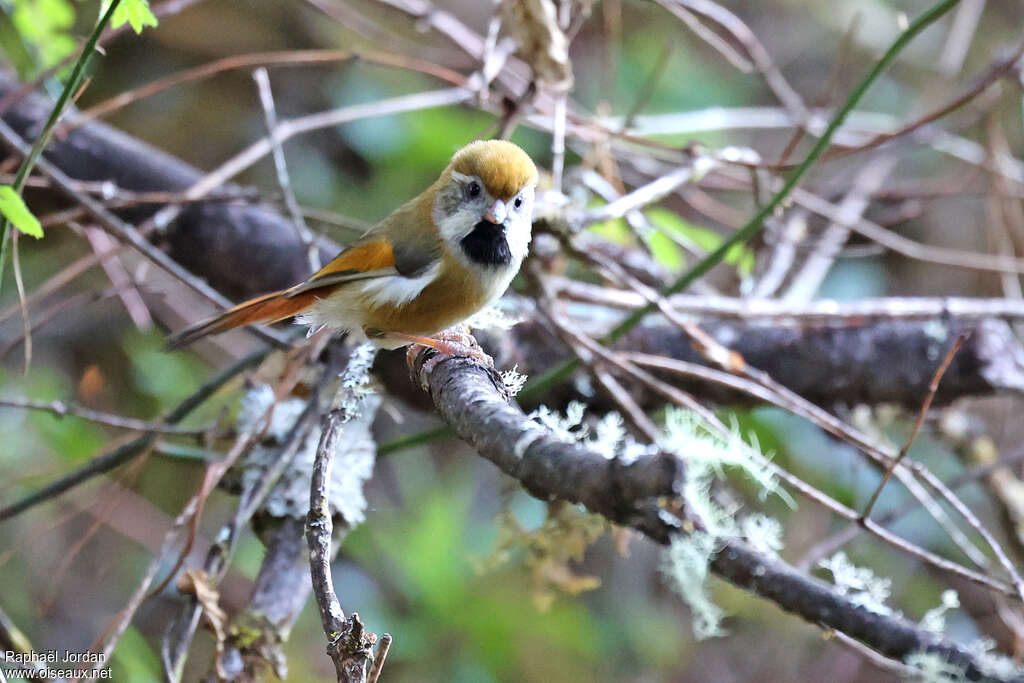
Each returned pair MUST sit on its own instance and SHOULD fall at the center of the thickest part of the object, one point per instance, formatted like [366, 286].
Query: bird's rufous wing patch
[374, 258]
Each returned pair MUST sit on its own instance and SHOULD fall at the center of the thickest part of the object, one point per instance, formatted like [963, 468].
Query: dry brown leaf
[541, 41]
[196, 582]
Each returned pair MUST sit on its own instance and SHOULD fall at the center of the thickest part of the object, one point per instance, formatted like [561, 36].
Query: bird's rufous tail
[263, 309]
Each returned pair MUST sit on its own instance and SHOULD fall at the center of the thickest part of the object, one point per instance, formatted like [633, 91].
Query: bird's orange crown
[503, 168]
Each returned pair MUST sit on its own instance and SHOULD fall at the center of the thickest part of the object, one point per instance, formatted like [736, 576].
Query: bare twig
[62, 408]
[134, 448]
[819, 311]
[102, 243]
[181, 630]
[348, 644]
[281, 166]
[262, 59]
[129, 234]
[26, 324]
[826, 247]
[289, 128]
[758, 55]
[933, 387]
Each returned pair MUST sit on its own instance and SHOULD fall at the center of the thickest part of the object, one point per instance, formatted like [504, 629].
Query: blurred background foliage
[434, 564]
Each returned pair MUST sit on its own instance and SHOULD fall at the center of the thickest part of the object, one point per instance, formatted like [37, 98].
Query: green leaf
[614, 230]
[13, 208]
[45, 28]
[665, 251]
[134, 12]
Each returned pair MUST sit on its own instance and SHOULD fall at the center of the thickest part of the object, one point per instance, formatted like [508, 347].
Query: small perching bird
[435, 261]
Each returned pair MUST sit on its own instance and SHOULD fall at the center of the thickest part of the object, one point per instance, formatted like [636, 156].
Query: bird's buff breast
[365, 309]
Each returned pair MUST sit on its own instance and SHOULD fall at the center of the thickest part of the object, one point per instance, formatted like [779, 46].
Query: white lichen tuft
[608, 437]
[352, 461]
[708, 452]
[990, 661]
[569, 427]
[932, 667]
[254, 406]
[513, 380]
[934, 620]
[686, 563]
[355, 379]
[859, 584]
[764, 533]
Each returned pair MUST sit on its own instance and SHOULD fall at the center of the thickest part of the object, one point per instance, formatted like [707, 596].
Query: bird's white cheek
[518, 237]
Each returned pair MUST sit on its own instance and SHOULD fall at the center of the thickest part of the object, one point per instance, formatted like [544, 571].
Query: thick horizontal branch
[849, 361]
[472, 400]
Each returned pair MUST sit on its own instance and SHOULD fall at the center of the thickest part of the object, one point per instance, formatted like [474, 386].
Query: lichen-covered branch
[645, 495]
[349, 645]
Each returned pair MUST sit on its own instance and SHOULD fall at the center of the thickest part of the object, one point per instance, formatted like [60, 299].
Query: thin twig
[26, 323]
[932, 388]
[801, 314]
[289, 128]
[218, 559]
[264, 59]
[281, 166]
[349, 646]
[134, 448]
[468, 397]
[62, 408]
[131, 235]
[378, 659]
[33, 154]
[755, 224]
[784, 397]
[756, 51]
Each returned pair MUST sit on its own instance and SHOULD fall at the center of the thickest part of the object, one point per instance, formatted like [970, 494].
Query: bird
[424, 269]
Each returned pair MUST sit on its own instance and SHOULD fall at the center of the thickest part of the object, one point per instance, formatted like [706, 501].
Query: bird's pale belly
[364, 309]
[438, 307]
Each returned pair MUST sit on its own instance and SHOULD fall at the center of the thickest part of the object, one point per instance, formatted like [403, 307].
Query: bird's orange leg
[454, 342]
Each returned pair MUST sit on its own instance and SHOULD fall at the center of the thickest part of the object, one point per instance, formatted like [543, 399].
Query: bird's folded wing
[361, 261]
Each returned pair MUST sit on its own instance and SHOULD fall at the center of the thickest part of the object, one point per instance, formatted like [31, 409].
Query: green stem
[413, 440]
[562, 371]
[74, 81]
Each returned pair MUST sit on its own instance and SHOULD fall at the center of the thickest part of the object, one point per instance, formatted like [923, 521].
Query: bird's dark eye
[473, 189]
[519, 202]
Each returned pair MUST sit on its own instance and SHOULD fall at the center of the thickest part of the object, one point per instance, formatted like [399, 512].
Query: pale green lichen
[859, 584]
[354, 455]
[686, 562]
[513, 380]
[707, 455]
[608, 436]
[934, 620]
[990, 661]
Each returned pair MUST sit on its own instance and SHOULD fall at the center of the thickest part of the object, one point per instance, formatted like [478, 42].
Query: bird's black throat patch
[487, 245]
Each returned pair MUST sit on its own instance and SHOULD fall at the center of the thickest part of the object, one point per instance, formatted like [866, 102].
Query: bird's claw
[456, 342]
